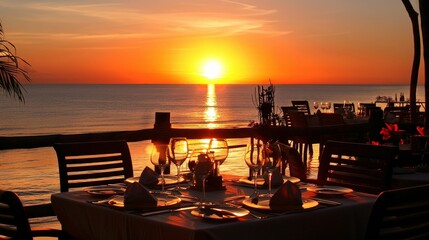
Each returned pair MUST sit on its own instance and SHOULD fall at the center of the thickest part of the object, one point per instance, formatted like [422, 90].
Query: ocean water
[69, 109]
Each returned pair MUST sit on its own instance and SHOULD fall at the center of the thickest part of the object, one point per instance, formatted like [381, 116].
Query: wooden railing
[279, 133]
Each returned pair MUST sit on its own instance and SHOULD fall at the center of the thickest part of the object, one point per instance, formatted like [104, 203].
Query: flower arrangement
[264, 102]
[421, 130]
[391, 134]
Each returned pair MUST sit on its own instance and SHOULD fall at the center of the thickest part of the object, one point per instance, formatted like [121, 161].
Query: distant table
[85, 220]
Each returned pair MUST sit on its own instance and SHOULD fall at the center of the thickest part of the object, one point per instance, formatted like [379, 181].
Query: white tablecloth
[85, 220]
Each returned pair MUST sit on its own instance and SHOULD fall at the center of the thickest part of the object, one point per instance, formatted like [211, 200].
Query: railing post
[162, 126]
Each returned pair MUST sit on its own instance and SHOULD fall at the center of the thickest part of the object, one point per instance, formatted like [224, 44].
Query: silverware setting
[168, 211]
[326, 202]
[234, 198]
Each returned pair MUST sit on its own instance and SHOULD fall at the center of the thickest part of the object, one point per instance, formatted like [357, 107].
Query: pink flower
[392, 131]
[421, 130]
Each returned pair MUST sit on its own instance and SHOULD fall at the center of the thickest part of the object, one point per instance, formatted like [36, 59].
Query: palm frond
[10, 71]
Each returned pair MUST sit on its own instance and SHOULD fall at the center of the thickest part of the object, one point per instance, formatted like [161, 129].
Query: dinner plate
[260, 180]
[163, 201]
[169, 180]
[330, 190]
[220, 213]
[264, 203]
[105, 190]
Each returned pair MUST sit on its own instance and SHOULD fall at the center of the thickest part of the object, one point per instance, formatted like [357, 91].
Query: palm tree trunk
[424, 17]
[414, 16]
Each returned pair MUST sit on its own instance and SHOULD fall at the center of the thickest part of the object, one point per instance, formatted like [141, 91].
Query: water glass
[254, 159]
[159, 157]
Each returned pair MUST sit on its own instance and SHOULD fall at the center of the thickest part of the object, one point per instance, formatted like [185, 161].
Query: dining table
[334, 216]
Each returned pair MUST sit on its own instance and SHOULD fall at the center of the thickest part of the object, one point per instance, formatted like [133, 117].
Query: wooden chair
[302, 106]
[14, 221]
[365, 108]
[401, 114]
[360, 166]
[286, 117]
[292, 158]
[304, 142]
[400, 214]
[84, 164]
[327, 119]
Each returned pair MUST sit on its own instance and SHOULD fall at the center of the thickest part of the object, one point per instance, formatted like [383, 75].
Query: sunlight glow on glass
[212, 69]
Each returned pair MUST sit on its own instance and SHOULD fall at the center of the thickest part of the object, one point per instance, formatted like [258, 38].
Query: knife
[233, 198]
[327, 202]
[167, 211]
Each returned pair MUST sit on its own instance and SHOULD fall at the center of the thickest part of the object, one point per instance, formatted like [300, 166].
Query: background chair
[362, 167]
[327, 119]
[14, 222]
[400, 114]
[84, 164]
[365, 108]
[304, 142]
[302, 106]
[286, 118]
[400, 214]
[292, 158]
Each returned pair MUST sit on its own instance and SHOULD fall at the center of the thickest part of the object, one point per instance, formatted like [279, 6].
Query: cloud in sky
[72, 20]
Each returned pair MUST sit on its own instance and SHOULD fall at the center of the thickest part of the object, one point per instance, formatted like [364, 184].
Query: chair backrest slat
[84, 164]
[94, 159]
[362, 167]
[99, 167]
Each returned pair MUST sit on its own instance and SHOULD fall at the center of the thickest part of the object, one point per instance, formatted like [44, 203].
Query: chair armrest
[39, 210]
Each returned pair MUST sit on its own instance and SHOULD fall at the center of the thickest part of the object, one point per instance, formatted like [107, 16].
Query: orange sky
[167, 41]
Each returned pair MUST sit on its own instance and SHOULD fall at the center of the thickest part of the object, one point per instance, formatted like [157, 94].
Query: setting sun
[212, 69]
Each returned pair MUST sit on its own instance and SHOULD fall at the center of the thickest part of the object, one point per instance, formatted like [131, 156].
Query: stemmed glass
[360, 109]
[328, 106]
[203, 167]
[159, 157]
[323, 106]
[271, 155]
[254, 160]
[178, 152]
[316, 106]
[218, 150]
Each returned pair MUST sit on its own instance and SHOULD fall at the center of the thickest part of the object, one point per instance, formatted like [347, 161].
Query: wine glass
[272, 159]
[316, 106]
[159, 157]
[328, 106]
[218, 150]
[178, 152]
[254, 160]
[323, 106]
[203, 168]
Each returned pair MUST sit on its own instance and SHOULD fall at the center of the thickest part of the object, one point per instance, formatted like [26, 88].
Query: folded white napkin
[148, 177]
[287, 197]
[276, 178]
[137, 196]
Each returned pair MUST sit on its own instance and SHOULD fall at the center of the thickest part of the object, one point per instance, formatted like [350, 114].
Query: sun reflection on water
[211, 113]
